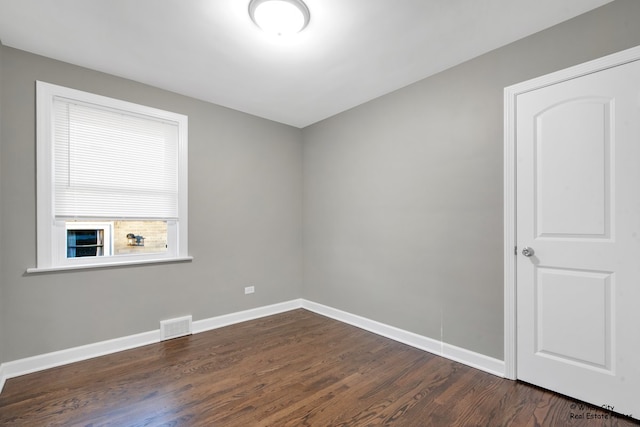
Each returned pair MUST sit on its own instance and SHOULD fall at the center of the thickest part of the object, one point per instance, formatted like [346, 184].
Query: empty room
[319, 212]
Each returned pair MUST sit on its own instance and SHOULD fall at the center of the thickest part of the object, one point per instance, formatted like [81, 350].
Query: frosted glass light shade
[279, 17]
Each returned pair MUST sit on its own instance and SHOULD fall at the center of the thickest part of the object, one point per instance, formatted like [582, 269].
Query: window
[112, 181]
[89, 239]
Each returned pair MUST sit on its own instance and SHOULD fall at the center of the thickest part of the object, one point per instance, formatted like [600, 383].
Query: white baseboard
[475, 360]
[3, 378]
[75, 354]
[243, 316]
[50, 360]
[461, 355]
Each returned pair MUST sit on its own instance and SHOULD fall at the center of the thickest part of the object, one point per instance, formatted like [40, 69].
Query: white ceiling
[351, 52]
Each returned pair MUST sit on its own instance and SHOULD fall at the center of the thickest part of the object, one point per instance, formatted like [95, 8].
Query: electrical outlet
[249, 290]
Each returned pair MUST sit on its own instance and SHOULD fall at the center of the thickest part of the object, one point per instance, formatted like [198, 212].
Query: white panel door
[578, 220]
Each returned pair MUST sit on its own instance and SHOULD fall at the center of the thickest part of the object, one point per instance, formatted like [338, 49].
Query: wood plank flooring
[291, 369]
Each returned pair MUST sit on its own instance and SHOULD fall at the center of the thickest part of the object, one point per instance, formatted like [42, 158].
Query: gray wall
[402, 202]
[403, 195]
[245, 219]
[2, 321]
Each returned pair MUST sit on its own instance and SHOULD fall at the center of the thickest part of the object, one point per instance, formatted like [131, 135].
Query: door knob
[527, 251]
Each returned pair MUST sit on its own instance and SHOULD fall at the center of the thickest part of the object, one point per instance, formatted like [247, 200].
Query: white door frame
[510, 237]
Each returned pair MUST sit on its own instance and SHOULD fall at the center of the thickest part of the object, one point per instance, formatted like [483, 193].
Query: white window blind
[113, 164]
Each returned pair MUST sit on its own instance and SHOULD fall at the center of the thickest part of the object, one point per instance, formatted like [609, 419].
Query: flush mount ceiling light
[279, 17]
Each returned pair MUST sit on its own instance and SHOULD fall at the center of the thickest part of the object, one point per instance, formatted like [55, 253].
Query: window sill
[36, 270]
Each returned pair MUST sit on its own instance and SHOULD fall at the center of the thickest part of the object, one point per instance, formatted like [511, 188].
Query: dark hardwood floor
[292, 369]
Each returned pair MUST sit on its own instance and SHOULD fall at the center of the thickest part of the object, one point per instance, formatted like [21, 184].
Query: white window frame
[51, 232]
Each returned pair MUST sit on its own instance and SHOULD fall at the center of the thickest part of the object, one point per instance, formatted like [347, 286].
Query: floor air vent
[174, 328]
